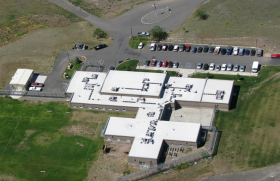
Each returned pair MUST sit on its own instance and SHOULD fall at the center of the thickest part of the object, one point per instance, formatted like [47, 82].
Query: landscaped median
[72, 66]
[135, 40]
[131, 65]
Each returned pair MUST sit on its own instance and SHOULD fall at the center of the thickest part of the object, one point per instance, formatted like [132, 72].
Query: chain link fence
[193, 157]
[95, 66]
[33, 94]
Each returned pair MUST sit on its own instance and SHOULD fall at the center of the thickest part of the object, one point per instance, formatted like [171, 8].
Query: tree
[77, 60]
[201, 14]
[158, 33]
[98, 33]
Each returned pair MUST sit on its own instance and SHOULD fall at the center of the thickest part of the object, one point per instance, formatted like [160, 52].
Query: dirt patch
[23, 145]
[112, 165]
[46, 138]
[38, 50]
[80, 144]
[5, 177]
[86, 129]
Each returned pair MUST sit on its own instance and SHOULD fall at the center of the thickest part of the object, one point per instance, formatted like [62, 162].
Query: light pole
[131, 31]
[256, 42]
[272, 178]
[202, 40]
[68, 57]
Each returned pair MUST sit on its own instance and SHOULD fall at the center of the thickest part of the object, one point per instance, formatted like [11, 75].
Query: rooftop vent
[146, 79]
[94, 76]
[113, 99]
[115, 89]
[220, 94]
[85, 79]
[151, 114]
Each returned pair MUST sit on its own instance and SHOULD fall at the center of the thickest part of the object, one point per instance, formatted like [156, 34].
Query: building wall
[130, 95]
[118, 138]
[183, 143]
[104, 107]
[201, 104]
[148, 161]
[187, 104]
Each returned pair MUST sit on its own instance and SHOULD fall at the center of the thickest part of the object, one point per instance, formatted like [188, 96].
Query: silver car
[218, 67]
[236, 67]
[242, 68]
[199, 65]
[229, 67]
[241, 51]
[159, 63]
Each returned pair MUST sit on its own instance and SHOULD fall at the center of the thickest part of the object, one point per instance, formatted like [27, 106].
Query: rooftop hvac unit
[113, 99]
[153, 122]
[146, 79]
[151, 114]
[115, 89]
[220, 94]
[85, 79]
[94, 76]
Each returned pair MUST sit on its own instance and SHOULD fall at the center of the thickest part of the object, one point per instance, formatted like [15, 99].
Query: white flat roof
[211, 88]
[143, 113]
[137, 128]
[21, 76]
[131, 83]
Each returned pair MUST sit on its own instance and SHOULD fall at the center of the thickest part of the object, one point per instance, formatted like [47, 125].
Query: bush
[77, 60]
[201, 14]
[22, 33]
[98, 33]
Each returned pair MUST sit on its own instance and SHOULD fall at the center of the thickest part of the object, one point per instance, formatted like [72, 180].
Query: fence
[33, 93]
[213, 115]
[208, 152]
[98, 65]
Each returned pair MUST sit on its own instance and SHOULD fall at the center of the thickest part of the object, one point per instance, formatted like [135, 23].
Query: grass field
[132, 64]
[234, 22]
[33, 140]
[107, 8]
[135, 40]
[72, 70]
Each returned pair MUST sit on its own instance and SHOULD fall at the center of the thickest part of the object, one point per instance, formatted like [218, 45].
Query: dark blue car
[247, 52]
[229, 50]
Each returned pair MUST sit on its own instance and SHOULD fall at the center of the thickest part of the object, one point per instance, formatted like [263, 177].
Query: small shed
[21, 79]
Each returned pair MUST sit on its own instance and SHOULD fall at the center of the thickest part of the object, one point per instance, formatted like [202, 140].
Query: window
[81, 107]
[135, 160]
[89, 107]
[123, 110]
[118, 140]
[96, 107]
[110, 109]
[103, 108]
[117, 109]
[74, 106]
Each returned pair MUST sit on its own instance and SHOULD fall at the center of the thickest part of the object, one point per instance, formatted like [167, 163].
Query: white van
[255, 66]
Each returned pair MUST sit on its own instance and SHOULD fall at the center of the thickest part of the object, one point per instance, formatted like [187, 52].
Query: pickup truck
[36, 84]
[217, 50]
[143, 34]
[275, 56]
[35, 88]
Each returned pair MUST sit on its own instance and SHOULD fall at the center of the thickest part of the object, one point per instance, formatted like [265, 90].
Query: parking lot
[188, 60]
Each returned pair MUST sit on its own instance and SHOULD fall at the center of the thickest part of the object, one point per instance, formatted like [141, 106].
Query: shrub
[22, 33]
[98, 33]
[201, 14]
[77, 60]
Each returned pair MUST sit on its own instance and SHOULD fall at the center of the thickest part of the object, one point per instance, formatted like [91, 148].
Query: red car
[164, 47]
[275, 56]
[154, 62]
[170, 64]
[36, 84]
[164, 64]
[188, 48]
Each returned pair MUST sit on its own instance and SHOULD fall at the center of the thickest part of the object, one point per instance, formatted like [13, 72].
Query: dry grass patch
[38, 50]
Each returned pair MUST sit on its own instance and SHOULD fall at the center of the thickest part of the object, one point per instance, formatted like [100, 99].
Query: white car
[235, 50]
[35, 88]
[140, 46]
[153, 47]
[224, 67]
[212, 66]
[217, 50]
[176, 48]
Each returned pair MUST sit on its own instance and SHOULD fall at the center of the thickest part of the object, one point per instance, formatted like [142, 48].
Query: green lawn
[132, 64]
[32, 141]
[72, 70]
[251, 132]
[135, 40]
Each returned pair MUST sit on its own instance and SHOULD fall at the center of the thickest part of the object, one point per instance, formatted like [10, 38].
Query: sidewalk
[190, 72]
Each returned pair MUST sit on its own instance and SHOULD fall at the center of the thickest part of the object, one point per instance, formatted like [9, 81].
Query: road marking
[188, 65]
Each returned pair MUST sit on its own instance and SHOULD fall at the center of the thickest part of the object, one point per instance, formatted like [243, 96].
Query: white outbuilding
[21, 79]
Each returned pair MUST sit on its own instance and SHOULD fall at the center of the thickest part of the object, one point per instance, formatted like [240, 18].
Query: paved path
[264, 174]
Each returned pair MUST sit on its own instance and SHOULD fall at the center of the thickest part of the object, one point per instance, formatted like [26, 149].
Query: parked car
[247, 52]
[235, 51]
[164, 47]
[199, 65]
[212, 66]
[206, 67]
[199, 50]
[170, 64]
[236, 67]
[170, 47]
[188, 48]
[154, 62]
[205, 49]
[242, 68]
[182, 48]
[273, 56]
[229, 50]
[164, 64]
[253, 52]
[224, 67]
[176, 48]
[159, 47]
[193, 49]
[223, 51]
[255, 66]
[35, 89]
[112, 68]
[229, 67]
[140, 46]
[217, 50]
[36, 84]
[211, 49]
[147, 63]
[159, 63]
[241, 51]
[218, 67]
[143, 34]
[259, 52]
[98, 47]
[153, 47]
[175, 65]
